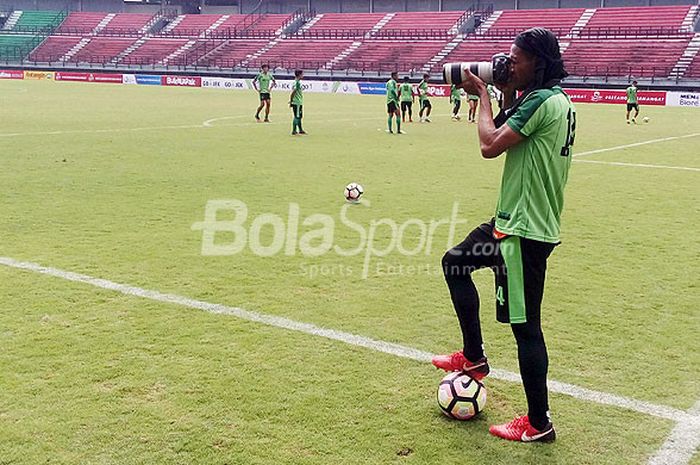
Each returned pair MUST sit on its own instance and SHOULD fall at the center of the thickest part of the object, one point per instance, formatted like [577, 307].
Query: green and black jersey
[455, 94]
[632, 94]
[423, 91]
[297, 95]
[406, 92]
[264, 80]
[536, 170]
[392, 92]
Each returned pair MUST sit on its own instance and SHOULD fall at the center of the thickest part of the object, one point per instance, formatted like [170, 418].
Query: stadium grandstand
[658, 43]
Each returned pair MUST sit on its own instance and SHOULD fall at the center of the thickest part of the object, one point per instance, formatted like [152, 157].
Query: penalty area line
[682, 443]
[638, 165]
[604, 398]
[636, 144]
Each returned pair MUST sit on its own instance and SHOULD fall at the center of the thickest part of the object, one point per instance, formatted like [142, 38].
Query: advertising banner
[438, 90]
[89, 77]
[683, 99]
[11, 74]
[379, 88]
[372, 88]
[181, 81]
[346, 87]
[39, 75]
[149, 79]
[615, 96]
[224, 83]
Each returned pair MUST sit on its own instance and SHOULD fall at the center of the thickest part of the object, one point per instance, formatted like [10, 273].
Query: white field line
[398, 350]
[681, 445]
[638, 165]
[206, 124]
[636, 144]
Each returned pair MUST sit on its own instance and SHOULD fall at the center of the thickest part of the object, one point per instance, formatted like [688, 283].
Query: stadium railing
[354, 67]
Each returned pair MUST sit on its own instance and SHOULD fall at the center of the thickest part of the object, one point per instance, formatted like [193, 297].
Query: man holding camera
[537, 131]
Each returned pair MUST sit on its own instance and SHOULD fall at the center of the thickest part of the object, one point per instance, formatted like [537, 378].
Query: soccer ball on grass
[353, 192]
[460, 396]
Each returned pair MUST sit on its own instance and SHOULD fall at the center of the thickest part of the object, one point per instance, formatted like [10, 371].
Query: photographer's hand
[508, 92]
[472, 85]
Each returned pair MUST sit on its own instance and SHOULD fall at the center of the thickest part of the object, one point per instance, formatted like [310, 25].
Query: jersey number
[570, 133]
[499, 296]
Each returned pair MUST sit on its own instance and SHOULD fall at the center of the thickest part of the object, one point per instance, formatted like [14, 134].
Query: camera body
[496, 71]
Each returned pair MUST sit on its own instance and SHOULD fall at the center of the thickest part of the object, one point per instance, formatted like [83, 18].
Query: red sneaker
[521, 430]
[458, 362]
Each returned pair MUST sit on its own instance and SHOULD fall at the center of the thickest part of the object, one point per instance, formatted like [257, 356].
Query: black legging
[481, 250]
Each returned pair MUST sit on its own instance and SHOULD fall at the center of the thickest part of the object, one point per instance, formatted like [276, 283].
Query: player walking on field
[296, 102]
[392, 103]
[456, 100]
[473, 102]
[425, 105]
[407, 99]
[264, 82]
[632, 103]
[537, 131]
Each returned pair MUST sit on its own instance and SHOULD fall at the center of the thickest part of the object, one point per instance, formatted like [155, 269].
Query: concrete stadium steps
[693, 70]
[687, 58]
[581, 23]
[444, 51]
[101, 49]
[75, 49]
[54, 48]
[128, 23]
[392, 54]
[473, 49]
[342, 55]
[486, 25]
[12, 20]
[690, 19]
[315, 53]
[153, 51]
[232, 53]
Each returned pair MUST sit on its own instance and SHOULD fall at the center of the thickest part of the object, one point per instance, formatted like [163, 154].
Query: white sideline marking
[398, 350]
[638, 165]
[636, 144]
[205, 124]
[681, 445]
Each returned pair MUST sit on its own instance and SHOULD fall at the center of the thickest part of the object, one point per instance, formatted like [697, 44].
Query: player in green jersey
[456, 100]
[407, 99]
[473, 100]
[392, 103]
[537, 131]
[264, 82]
[425, 105]
[296, 103]
[632, 103]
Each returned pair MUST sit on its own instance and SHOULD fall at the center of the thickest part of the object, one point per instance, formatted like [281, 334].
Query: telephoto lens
[496, 71]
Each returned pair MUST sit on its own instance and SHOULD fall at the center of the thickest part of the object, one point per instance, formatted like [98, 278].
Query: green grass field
[108, 180]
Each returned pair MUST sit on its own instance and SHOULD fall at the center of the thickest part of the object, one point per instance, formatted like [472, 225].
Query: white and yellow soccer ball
[460, 396]
[353, 192]
[645, 119]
